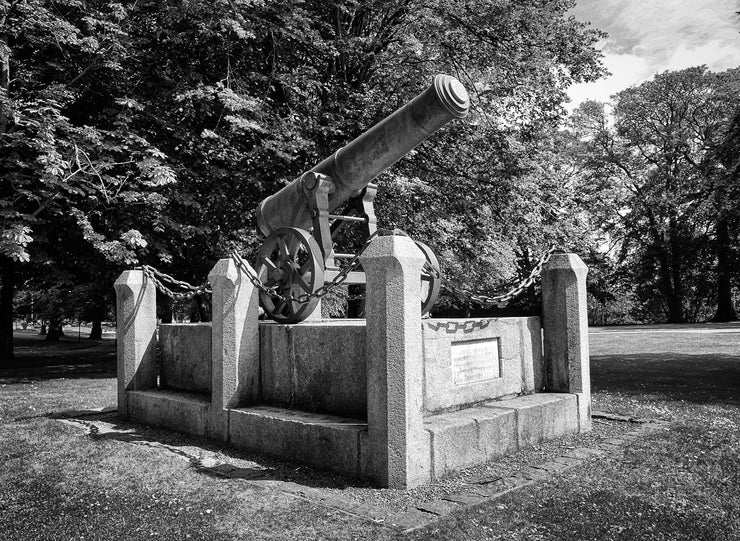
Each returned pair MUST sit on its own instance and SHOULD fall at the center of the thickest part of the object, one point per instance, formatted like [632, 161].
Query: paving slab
[410, 520]
[440, 507]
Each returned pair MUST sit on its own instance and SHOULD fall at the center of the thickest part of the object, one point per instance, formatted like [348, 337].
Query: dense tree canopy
[147, 132]
[663, 186]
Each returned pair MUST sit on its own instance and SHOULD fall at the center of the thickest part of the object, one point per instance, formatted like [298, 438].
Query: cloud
[650, 37]
[626, 70]
[716, 55]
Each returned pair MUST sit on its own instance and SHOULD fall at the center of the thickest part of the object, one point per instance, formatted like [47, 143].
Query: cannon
[339, 190]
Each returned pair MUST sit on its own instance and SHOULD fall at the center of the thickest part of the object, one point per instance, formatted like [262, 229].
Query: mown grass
[681, 481]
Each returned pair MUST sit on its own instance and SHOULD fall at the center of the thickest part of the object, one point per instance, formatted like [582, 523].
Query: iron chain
[505, 298]
[159, 277]
[485, 300]
[304, 297]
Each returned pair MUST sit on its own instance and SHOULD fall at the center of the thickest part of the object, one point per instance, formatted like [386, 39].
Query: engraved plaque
[474, 361]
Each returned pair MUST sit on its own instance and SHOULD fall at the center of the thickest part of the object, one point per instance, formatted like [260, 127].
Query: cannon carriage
[303, 219]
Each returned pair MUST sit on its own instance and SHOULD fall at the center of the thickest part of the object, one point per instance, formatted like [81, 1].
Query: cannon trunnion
[296, 263]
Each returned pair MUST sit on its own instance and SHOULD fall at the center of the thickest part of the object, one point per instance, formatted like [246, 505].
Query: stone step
[179, 411]
[471, 436]
[323, 441]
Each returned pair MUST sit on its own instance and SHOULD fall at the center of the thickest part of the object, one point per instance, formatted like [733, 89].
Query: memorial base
[479, 396]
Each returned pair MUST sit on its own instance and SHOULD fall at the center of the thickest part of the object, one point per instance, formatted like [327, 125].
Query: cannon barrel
[355, 165]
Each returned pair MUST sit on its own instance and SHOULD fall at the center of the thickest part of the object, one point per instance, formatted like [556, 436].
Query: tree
[113, 101]
[68, 157]
[655, 182]
[244, 96]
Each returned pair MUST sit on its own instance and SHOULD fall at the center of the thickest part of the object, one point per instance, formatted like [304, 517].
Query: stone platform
[392, 398]
[452, 441]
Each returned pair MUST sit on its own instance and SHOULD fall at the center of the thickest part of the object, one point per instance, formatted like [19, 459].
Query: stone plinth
[182, 412]
[136, 320]
[234, 344]
[392, 398]
[565, 322]
[399, 449]
[467, 361]
[185, 352]
[315, 366]
[472, 436]
[324, 441]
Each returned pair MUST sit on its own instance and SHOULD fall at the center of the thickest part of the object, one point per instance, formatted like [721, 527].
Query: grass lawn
[680, 481]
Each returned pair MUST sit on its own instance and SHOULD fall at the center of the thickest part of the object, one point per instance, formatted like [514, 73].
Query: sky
[650, 36]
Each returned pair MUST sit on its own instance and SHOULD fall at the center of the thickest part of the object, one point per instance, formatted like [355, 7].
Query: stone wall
[185, 357]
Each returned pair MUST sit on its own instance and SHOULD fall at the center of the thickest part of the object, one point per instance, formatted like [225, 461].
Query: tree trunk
[725, 307]
[96, 333]
[55, 331]
[164, 308]
[356, 305]
[199, 312]
[7, 291]
[673, 300]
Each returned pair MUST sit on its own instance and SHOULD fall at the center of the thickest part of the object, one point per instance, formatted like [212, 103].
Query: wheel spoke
[301, 282]
[291, 254]
[283, 247]
[293, 248]
[280, 306]
[306, 267]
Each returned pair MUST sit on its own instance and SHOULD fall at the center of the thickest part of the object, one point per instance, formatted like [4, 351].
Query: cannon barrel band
[355, 165]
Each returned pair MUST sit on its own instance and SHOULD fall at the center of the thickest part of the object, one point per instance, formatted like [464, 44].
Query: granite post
[399, 452]
[234, 344]
[565, 322]
[136, 320]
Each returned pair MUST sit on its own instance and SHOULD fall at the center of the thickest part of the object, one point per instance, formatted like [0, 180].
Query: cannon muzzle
[355, 165]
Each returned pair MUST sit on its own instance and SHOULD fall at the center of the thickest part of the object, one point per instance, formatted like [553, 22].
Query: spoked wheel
[289, 260]
[431, 279]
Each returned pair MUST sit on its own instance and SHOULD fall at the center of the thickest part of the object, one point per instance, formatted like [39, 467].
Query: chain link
[159, 277]
[464, 294]
[321, 291]
[505, 298]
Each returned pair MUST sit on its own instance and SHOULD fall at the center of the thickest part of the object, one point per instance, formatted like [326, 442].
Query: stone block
[182, 412]
[323, 441]
[533, 373]
[399, 445]
[470, 437]
[185, 350]
[542, 416]
[565, 320]
[584, 411]
[136, 319]
[468, 361]
[315, 366]
[234, 343]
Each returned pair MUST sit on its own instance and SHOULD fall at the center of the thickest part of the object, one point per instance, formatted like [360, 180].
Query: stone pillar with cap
[136, 322]
[398, 454]
[234, 344]
[565, 322]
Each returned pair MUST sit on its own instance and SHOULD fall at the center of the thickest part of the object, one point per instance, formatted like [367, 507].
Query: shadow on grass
[232, 466]
[699, 379]
[37, 359]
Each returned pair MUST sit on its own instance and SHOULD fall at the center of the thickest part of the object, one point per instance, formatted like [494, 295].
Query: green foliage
[149, 131]
[653, 182]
